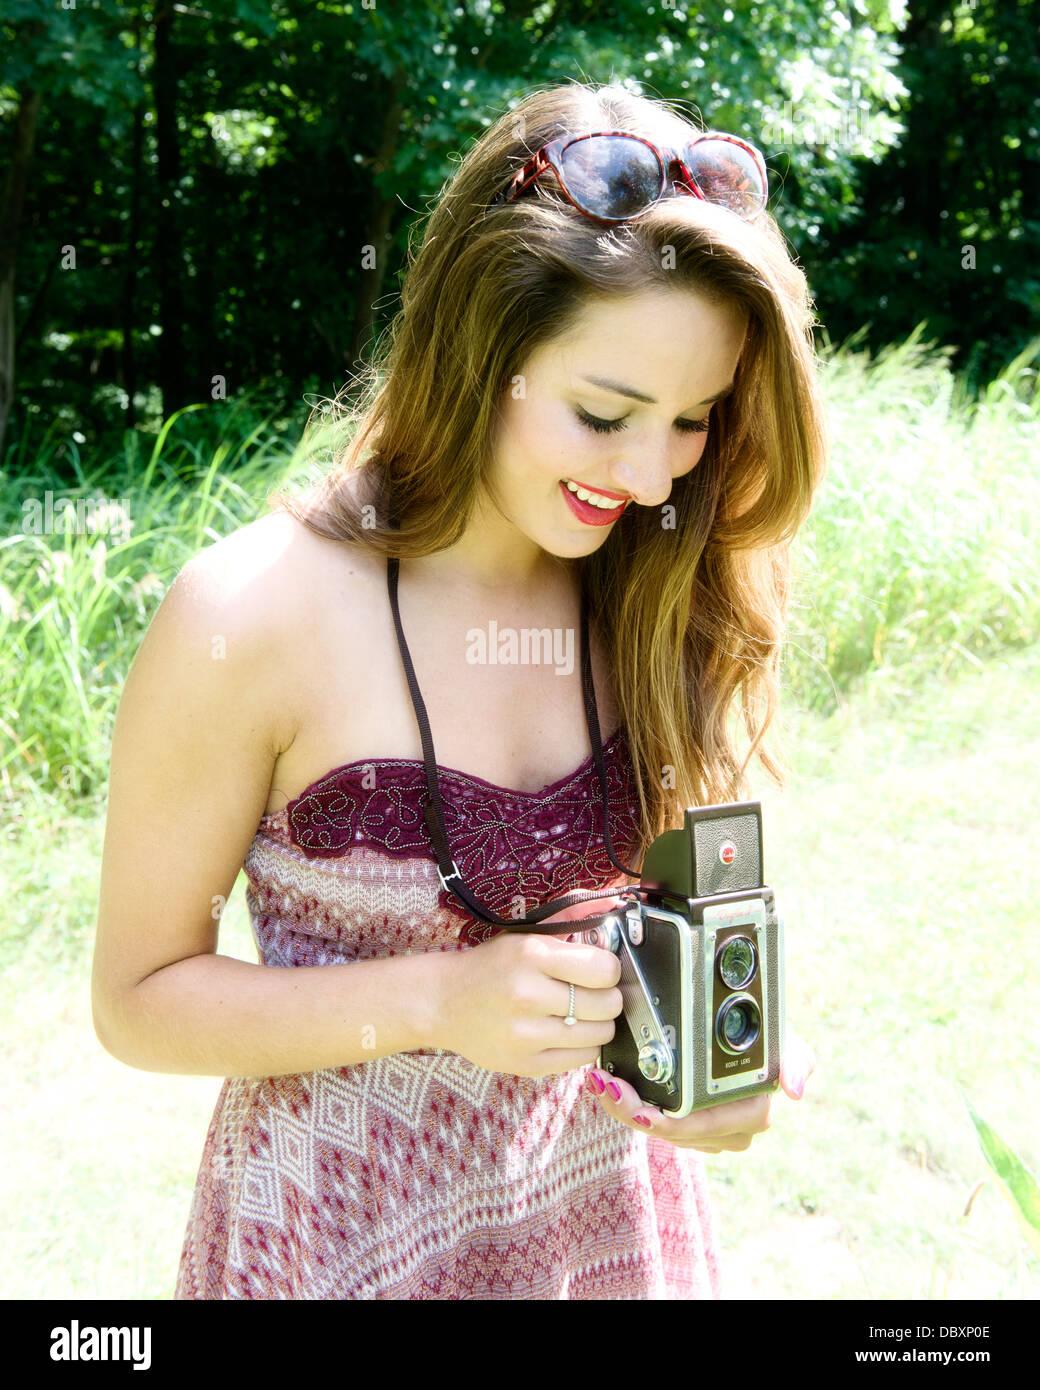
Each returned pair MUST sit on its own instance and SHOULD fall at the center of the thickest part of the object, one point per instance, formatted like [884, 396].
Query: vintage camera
[702, 967]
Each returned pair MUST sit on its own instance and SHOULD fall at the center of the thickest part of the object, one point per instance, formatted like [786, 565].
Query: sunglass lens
[611, 176]
[726, 173]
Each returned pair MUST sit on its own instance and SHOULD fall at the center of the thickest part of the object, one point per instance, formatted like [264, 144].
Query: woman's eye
[600, 426]
[609, 426]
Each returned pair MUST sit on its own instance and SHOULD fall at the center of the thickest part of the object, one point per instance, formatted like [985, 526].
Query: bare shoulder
[257, 560]
[274, 584]
[274, 571]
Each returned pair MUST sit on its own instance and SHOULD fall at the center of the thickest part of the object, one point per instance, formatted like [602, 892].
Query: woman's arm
[200, 724]
[212, 1015]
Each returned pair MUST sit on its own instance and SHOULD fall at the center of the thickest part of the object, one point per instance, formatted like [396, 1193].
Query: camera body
[702, 967]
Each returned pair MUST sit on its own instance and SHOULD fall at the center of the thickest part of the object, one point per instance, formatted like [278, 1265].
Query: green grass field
[902, 853]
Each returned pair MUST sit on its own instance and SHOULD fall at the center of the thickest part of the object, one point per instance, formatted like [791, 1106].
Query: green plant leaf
[1016, 1181]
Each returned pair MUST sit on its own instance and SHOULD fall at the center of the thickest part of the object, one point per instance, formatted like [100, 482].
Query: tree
[53, 56]
[240, 182]
[946, 228]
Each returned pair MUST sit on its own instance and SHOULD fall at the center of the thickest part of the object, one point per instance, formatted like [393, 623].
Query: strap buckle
[454, 874]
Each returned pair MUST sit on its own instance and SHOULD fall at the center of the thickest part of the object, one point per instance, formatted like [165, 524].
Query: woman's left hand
[717, 1128]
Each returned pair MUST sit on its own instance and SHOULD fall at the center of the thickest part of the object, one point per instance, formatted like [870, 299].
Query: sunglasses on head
[612, 176]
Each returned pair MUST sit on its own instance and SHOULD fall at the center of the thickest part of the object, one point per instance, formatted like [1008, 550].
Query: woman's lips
[584, 511]
[600, 491]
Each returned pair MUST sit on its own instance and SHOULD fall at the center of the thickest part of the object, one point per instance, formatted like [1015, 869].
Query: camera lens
[737, 962]
[738, 1024]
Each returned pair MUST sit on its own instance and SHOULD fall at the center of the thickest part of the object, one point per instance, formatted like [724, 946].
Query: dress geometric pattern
[421, 1175]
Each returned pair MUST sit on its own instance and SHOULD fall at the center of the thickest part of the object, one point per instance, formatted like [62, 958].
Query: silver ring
[570, 1020]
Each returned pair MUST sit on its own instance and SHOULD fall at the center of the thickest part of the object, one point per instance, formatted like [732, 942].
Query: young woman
[599, 398]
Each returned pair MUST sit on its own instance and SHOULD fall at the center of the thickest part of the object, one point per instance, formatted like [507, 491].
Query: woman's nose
[649, 481]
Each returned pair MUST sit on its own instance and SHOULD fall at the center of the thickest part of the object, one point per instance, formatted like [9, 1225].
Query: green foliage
[50, 46]
[945, 228]
[922, 551]
[300, 141]
[83, 567]
[1017, 1183]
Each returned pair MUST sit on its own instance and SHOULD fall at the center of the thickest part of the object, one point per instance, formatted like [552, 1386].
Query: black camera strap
[433, 811]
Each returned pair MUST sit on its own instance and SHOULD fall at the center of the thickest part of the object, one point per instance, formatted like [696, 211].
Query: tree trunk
[133, 270]
[207, 358]
[377, 222]
[10, 226]
[923, 37]
[167, 239]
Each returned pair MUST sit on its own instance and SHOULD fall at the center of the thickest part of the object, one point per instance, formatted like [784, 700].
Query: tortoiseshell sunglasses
[612, 176]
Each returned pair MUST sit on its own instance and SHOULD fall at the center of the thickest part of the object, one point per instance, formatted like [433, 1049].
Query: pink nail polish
[642, 1120]
[594, 1083]
[615, 1090]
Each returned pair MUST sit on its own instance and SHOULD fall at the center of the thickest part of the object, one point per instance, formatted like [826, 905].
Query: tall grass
[921, 554]
[75, 600]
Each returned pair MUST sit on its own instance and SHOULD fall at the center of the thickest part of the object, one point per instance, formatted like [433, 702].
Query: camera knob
[655, 1062]
[606, 935]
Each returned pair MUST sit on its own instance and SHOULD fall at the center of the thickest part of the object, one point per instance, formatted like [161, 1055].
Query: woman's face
[668, 355]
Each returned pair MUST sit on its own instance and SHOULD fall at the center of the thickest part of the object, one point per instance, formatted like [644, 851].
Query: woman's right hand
[502, 1004]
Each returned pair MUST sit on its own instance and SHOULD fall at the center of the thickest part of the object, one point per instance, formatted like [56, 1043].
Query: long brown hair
[690, 614]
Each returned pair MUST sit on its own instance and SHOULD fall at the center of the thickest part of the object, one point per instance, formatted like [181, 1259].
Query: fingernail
[615, 1090]
[594, 1083]
[798, 1086]
[642, 1120]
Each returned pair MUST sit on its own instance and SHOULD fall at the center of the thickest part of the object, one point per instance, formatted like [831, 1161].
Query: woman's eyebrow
[641, 396]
